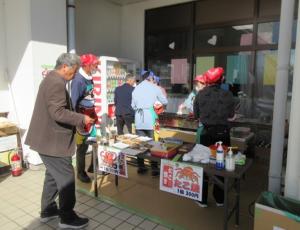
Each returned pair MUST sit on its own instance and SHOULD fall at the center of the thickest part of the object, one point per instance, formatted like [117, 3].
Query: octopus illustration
[187, 173]
[108, 157]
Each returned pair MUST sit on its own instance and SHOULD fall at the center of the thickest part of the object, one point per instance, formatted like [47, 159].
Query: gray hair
[129, 76]
[68, 59]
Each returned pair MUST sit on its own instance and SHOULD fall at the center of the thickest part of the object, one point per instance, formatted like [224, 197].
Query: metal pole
[281, 87]
[292, 178]
[71, 26]
[94, 155]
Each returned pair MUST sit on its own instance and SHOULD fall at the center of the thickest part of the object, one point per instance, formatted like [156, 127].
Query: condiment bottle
[220, 156]
[133, 130]
[230, 162]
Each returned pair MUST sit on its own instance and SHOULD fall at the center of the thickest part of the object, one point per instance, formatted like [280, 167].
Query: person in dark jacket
[51, 134]
[124, 111]
[213, 106]
[83, 102]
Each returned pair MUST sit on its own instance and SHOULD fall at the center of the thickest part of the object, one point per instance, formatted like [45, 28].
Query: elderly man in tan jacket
[51, 134]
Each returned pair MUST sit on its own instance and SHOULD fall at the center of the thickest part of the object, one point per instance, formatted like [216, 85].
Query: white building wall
[133, 27]
[48, 35]
[19, 59]
[33, 34]
[98, 26]
[5, 105]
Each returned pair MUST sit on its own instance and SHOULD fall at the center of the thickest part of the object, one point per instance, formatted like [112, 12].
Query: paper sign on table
[181, 179]
[112, 160]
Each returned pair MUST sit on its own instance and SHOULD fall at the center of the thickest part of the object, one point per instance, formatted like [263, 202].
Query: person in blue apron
[144, 96]
[213, 106]
[158, 108]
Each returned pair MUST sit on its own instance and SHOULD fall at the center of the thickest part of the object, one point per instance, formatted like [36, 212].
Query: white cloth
[198, 153]
[85, 75]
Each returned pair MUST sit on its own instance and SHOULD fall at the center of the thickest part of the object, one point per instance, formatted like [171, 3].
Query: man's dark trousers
[59, 180]
[80, 158]
[127, 119]
[209, 136]
[140, 161]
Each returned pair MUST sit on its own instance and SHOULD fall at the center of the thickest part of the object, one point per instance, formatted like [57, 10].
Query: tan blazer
[52, 127]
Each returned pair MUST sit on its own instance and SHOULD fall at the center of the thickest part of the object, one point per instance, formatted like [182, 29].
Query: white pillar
[71, 26]
[281, 88]
[292, 178]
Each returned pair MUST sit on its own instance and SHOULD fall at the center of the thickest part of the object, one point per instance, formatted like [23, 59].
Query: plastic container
[173, 140]
[164, 150]
[213, 150]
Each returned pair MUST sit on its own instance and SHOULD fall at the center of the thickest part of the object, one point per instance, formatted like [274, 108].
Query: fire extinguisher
[16, 164]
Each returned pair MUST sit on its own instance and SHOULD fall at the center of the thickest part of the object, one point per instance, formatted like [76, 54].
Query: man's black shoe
[141, 170]
[74, 223]
[47, 216]
[83, 177]
[104, 173]
[91, 169]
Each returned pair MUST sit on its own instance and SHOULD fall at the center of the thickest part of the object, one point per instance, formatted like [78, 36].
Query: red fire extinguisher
[16, 164]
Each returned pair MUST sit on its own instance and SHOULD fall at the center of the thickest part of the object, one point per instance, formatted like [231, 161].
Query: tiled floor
[142, 193]
[20, 206]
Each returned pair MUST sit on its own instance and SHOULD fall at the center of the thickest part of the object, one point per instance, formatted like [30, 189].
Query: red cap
[88, 59]
[201, 78]
[213, 75]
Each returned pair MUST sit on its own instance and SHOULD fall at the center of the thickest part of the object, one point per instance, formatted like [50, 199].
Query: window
[158, 44]
[265, 8]
[239, 78]
[266, 70]
[171, 17]
[268, 33]
[216, 11]
[240, 35]
[173, 72]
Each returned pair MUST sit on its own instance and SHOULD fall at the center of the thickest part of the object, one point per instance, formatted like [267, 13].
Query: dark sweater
[82, 92]
[123, 97]
[214, 106]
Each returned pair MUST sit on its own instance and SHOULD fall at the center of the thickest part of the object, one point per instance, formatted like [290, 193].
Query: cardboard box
[186, 136]
[7, 127]
[4, 157]
[8, 143]
[4, 168]
[242, 142]
[271, 218]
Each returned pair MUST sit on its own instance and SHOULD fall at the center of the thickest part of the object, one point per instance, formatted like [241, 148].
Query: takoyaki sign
[181, 179]
[112, 161]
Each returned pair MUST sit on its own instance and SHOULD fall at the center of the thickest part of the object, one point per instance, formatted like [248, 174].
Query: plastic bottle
[220, 156]
[133, 128]
[230, 162]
